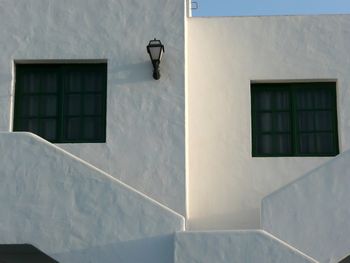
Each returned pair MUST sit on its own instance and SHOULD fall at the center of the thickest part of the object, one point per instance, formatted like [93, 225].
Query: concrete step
[251, 246]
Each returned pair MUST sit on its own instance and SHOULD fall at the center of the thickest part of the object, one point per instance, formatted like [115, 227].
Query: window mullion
[314, 122]
[273, 121]
[294, 121]
[40, 106]
[335, 122]
[82, 123]
[17, 97]
[61, 103]
[254, 128]
[104, 103]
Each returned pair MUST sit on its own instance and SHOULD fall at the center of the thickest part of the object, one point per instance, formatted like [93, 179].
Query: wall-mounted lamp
[155, 50]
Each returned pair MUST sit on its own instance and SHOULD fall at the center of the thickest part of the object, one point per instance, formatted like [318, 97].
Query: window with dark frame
[294, 119]
[62, 103]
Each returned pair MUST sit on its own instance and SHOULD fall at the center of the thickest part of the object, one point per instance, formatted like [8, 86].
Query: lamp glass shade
[155, 50]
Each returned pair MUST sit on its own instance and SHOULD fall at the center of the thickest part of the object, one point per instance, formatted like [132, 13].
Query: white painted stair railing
[74, 212]
[313, 213]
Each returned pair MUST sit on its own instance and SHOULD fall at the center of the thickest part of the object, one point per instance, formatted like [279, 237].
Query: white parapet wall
[145, 142]
[75, 212]
[225, 54]
[234, 246]
[312, 213]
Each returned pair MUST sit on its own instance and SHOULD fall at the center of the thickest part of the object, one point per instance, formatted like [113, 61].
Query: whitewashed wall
[312, 213]
[145, 118]
[74, 212]
[225, 184]
[234, 246]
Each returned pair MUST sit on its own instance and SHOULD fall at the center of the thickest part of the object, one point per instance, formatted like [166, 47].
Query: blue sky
[270, 7]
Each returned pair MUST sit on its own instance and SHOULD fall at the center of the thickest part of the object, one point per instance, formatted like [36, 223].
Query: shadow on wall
[131, 73]
[158, 249]
[241, 219]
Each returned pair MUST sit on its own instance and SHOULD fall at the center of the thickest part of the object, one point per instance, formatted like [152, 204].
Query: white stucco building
[238, 153]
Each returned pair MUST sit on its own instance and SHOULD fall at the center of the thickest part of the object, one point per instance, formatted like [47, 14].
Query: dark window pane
[265, 122]
[89, 128]
[49, 105]
[323, 99]
[92, 104]
[265, 144]
[283, 144]
[282, 100]
[92, 127]
[99, 129]
[264, 100]
[93, 82]
[323, 120]
[30, 83]
[324, 142]
[305, 99]
[306, 121]
[73, 128]
[73, 81]
[282, 121]
[21, 125]
[33, 126]
[49, 83]
[74, 104]
[50, 129]
[307, 143]
[22, 106]
[30, 106]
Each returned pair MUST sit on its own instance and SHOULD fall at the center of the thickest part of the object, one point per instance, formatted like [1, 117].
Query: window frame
[61, 69]
[295, 133]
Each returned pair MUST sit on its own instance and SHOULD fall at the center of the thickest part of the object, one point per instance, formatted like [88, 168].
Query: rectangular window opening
[294, 119]
[62, 103]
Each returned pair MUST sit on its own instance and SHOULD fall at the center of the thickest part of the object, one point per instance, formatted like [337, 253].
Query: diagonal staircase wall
[312, 213]
[74, 212]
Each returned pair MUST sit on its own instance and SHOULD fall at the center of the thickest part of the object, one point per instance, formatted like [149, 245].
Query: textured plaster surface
[225, 184]
[75, 212]
[145, 118]
[312, 213]
[234, 246]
